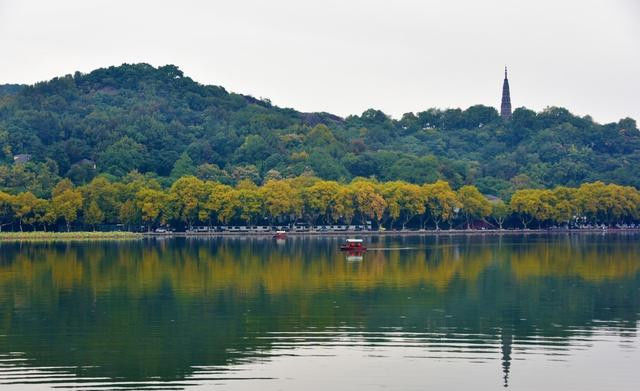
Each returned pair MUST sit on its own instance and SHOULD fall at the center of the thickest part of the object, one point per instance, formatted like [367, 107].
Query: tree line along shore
[69, 236]
[140, 204]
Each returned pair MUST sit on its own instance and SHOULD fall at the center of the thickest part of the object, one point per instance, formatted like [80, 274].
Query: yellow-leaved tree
[66, 202]
[473, 204]
[152, 205]
[442, 202]
[368, 202]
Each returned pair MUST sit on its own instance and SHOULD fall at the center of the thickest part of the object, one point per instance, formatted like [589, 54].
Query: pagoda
[505, 107]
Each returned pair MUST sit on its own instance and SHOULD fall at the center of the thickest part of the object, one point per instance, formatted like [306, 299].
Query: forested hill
[164, 124]
[10, 89]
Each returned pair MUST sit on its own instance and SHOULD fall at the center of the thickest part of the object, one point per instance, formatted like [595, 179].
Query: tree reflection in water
[136, 311]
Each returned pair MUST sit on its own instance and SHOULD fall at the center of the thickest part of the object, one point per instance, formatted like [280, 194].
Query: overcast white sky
[346, 56]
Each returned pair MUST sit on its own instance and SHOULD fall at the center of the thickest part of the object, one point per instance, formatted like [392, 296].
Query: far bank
[68, 236]
[392, 233]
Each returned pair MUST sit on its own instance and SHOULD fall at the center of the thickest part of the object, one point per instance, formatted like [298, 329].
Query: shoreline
[124, 235]
[68, 236]
[391, 233]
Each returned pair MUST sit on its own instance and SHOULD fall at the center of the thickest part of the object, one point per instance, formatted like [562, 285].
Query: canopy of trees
[166, 126]
[137, 202]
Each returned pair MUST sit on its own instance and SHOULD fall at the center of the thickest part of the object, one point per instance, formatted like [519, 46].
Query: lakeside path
[396, 233]
[68, 236]
[121, 235]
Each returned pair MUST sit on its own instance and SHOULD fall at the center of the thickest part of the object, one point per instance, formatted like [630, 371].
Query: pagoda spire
[505, 106]
[506, 342]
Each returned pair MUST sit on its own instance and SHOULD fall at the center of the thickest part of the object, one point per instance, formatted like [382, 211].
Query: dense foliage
[138, 202]
[159, 122]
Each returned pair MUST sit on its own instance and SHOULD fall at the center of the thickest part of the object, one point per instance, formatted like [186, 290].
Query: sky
[343, 56]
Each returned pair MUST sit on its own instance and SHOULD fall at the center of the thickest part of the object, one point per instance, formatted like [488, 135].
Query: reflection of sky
[413, 367]
[349, 360]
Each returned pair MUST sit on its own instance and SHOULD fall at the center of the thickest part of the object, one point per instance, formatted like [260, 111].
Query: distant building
[22, 158]
[87, 162]
[505, 106]
[492, 199]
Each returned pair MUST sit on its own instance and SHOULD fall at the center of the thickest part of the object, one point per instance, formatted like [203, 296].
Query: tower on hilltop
[505, 107]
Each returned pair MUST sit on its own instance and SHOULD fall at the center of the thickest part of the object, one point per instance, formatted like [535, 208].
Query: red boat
[353, 245]
[280, 235]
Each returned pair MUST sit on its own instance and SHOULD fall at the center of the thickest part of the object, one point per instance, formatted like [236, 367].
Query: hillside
[10, 89]
[164, 124]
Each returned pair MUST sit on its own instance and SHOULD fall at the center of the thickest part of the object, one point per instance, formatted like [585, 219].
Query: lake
[528, 312]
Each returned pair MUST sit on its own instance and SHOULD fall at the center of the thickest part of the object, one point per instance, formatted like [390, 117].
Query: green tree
[93, 215]
[105, 195]
[43, 213]
[249, 172]
[211, 172]
[6, 209]
[129, 214]
[183, 167]
[122, 157]
[254, 149]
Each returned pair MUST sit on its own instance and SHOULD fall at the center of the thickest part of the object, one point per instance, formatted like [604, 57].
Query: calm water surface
[448, 313]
